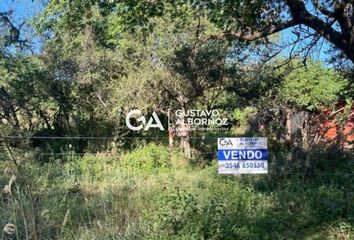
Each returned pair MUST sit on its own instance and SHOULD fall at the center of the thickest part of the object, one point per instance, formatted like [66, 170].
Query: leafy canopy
[313, 87]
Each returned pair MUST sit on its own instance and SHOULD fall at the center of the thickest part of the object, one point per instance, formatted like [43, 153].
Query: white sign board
[247, 155]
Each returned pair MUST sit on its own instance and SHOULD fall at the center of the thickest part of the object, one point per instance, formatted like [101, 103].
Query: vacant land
[152, 193]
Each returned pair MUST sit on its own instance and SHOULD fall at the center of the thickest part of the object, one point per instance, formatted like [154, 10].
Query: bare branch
[299, 12]
[322, 9]
[14, 32]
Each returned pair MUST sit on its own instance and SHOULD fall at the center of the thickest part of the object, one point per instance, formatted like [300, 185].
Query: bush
[153, 158]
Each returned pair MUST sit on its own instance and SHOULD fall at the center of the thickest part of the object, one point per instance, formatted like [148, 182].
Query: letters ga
[243, 154]
[143, 125]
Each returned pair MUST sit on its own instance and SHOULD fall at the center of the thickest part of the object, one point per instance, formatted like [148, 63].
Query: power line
[70, 137]
[100, 137]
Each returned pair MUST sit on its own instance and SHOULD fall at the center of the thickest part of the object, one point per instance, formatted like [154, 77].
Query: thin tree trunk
[288, 123]
[184, 131]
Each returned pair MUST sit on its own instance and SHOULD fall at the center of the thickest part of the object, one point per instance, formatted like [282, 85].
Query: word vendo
[249, 154]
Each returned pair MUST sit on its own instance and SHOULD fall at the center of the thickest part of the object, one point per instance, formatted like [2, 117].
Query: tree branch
[340, 15]
[300, 13]
[251, 35]
[14, 32]
[343, 39]
[320, 8]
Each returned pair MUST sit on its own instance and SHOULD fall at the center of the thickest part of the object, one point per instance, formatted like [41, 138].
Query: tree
[174, 69]
[10, 33]
[78, 54]
[313, 88]
[308, 91]
[254, 20]
[27, 94]
[251, 20]
[298, 99]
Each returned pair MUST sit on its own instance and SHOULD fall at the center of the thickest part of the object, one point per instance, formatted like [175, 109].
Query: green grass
[151, 193]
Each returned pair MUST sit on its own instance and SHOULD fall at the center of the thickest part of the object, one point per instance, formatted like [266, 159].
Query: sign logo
[225, 142]
[154, 121]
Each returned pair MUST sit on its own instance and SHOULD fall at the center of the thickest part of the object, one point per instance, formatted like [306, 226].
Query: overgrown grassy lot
[151, 193]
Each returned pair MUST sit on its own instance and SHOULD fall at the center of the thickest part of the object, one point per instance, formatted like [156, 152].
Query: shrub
[153, 158]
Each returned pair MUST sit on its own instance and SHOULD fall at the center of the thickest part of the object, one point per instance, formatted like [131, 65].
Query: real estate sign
[247, 155]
